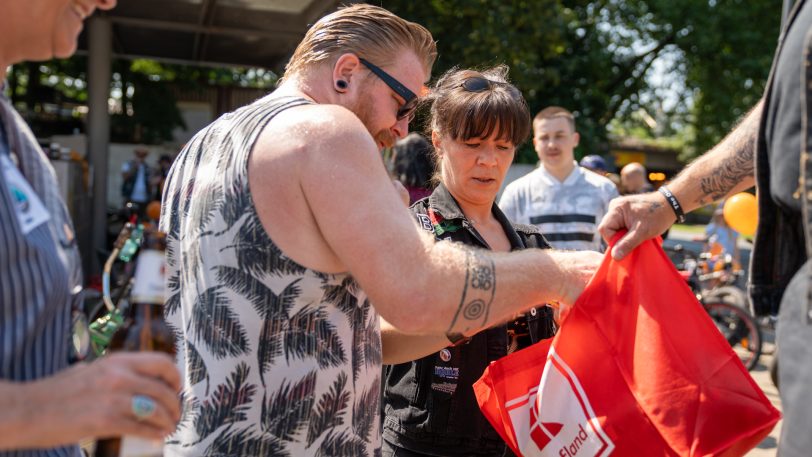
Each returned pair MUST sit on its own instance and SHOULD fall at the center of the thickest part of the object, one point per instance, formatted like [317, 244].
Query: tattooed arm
[476, 298]
[333, 208]
[726, 169]
[494, 287]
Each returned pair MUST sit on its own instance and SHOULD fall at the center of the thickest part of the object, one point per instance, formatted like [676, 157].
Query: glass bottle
[143, 330]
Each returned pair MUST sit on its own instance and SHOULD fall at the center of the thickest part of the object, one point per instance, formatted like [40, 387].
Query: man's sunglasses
[406, 110]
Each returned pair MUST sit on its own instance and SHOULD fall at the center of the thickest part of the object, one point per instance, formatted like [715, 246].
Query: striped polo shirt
[39, 266]
[566, 212]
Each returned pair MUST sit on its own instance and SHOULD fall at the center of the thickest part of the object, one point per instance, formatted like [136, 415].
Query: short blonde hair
[554, 112]
[369, 31]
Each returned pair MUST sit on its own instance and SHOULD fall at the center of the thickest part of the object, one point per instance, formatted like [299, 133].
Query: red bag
[636, 369]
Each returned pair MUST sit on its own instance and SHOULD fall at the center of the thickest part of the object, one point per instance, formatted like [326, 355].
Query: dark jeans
[795, 367]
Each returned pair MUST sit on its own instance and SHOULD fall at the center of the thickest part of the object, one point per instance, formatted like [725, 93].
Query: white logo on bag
[559, 421]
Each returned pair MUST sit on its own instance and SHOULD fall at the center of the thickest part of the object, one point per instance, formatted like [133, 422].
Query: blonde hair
[555, 112]
[369, 31]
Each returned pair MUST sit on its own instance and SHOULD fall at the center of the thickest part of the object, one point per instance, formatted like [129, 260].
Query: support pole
[100, 47]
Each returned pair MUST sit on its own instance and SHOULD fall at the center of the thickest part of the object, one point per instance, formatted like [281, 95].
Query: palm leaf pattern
[211, 198]
[239, 204]
[171, 243]
[172, 303]
[270, 344]
[277, 359]
[341, 444]
[228, 404]
[172, 229]
[186, 197]
[366, 341]
[362, 423]
[217, 326]
[342, 295]
[329, 411]
[267, 303]
[188, 407]
[312, 335]
[231, 442]
[257, 254]
[274, 310]
[286, 413]
[369, 341]
[195, 366]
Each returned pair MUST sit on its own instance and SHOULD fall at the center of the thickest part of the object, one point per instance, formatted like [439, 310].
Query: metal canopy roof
[255, 33]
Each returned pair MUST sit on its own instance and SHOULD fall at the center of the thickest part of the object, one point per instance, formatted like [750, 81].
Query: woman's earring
[341, 85]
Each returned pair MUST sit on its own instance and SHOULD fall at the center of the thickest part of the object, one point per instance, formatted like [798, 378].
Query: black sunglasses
[409, 98]
[479, 84]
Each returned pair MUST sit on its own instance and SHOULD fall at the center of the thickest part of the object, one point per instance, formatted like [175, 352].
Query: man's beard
[364, 111]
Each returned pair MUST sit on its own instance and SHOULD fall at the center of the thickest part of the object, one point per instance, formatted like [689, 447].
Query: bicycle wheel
[739, 329]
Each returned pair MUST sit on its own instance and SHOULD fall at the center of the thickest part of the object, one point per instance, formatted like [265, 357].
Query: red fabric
[637, 369]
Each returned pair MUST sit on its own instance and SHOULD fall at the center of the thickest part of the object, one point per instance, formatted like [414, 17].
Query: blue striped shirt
[38, 270]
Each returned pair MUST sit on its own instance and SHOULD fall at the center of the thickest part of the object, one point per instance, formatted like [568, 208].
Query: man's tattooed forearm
[739, 165]
[729, 173]
[477, 294]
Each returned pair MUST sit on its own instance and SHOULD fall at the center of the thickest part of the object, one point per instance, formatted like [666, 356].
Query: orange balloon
[741, 213]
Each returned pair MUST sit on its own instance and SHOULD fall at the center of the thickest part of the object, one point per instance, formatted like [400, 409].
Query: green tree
[595, 57]
[52, 95]
[726, 49]
[576, 54]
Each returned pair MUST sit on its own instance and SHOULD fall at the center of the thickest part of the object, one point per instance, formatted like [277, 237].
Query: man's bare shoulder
[315, 129]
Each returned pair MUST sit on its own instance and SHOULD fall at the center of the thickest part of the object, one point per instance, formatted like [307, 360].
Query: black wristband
[672, 200]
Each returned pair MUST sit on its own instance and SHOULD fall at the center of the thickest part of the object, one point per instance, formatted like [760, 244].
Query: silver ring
[143, 406]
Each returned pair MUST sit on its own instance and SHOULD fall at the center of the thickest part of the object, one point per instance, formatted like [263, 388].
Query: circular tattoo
[474, 310]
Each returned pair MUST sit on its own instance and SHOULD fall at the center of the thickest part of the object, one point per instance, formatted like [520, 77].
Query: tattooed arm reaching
[344, 215]
[726, 169]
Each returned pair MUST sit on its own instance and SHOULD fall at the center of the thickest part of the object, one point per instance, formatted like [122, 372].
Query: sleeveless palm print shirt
[276, 359]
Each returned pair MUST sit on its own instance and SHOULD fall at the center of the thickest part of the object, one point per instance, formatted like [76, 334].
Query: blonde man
[280, 214]
[565, 201]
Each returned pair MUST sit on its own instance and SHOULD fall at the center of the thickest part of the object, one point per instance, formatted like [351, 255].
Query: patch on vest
[425, 223]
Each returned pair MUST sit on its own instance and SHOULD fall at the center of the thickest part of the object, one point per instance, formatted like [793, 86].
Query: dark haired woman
[411, 165]
[477, 121]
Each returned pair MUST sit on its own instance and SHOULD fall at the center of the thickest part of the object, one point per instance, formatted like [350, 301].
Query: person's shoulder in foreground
[46, 406]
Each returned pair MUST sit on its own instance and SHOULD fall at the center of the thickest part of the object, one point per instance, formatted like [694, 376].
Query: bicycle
[725, 303]
[95, 324]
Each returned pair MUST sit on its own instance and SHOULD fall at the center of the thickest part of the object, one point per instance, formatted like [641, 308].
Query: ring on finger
[143, 407]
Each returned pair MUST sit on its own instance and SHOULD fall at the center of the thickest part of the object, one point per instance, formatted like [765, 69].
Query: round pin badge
[445, 355]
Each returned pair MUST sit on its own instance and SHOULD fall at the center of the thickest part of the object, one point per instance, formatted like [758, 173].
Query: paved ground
[769, 446]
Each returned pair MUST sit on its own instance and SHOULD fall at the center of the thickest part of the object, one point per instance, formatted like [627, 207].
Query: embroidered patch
[425, 223]
[445, 387]
[447, 372]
